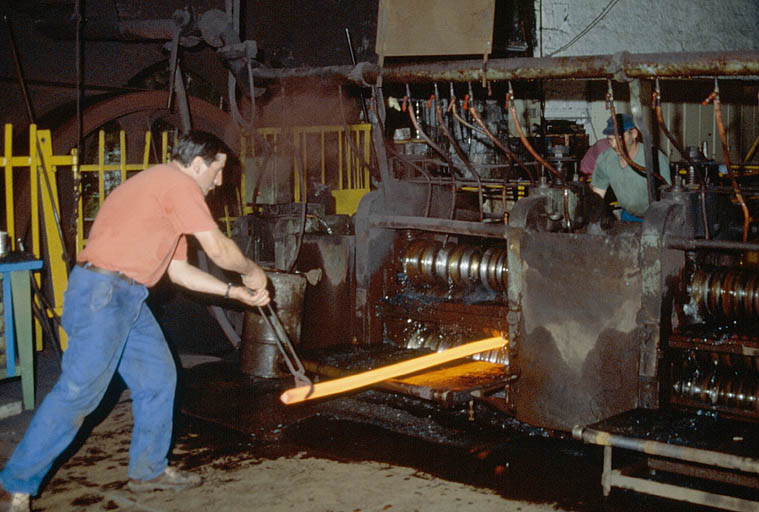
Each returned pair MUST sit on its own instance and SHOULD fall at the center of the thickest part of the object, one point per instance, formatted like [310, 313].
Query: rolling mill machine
[475, 229]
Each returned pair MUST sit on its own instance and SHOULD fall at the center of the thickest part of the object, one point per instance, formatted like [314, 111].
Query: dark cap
[624, 122]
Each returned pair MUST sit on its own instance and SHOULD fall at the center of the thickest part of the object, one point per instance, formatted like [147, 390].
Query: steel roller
[712, 387]
[421, 337]
[426, 262]
[726, 294]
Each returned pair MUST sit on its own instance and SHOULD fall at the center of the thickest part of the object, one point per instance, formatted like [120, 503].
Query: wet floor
[235, 415]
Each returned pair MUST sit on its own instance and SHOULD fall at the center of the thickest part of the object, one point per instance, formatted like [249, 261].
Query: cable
[587, 29]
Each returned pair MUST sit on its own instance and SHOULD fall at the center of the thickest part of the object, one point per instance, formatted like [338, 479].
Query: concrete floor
[351, 453]
[237, 477]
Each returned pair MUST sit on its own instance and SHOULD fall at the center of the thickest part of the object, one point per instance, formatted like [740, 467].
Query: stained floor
[368, 451]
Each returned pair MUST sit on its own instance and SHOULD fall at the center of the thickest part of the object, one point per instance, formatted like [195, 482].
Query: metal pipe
[621, 66]
[651, 160]
[621, 148]
[460, 120]
[438, 225]
[673, 451]
[688, 244]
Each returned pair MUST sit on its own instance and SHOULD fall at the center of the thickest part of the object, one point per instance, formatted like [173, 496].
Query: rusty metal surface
[621, 66]
[673, 441]
[578, 355]
[401, 314]
[450, 27]
[152, 104]
[454, 384]
[491, 230]
[259, 354]
[329, 307]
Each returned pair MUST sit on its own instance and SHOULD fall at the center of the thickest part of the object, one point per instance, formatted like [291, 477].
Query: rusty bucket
[259, 355]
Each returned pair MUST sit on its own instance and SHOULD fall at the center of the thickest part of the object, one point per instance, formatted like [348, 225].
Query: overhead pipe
[622, 66]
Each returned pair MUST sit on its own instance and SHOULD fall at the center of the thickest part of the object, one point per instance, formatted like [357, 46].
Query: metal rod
[173, 64]
[377, 375]
[438, 225]
[182, 103]
[19, 73]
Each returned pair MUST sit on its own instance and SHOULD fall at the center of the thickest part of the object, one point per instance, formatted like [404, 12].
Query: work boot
[14, 501]
[170, 480]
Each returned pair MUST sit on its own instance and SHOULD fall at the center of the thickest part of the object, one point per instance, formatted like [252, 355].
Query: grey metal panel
[578, 354]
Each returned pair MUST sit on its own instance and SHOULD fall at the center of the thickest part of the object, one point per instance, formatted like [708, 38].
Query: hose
[702, 182]
[536, 155]
[714, 96]
[442, 153]
[510, 154]
[422, 172]
[462, 157]
[622, 150]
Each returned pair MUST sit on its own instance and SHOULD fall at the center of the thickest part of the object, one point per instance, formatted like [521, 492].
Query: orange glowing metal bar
[360, 380]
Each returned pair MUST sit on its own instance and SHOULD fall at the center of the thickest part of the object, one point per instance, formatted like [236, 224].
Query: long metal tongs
[291, 358]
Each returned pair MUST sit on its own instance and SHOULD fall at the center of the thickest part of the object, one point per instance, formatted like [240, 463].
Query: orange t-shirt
[142, 224]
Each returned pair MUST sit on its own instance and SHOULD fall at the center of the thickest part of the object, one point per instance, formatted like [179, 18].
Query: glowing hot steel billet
[351, 382]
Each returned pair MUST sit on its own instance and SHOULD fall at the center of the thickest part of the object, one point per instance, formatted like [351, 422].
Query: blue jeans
[110, 329]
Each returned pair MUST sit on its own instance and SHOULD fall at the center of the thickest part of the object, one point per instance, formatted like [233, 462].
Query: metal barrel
[259, 354]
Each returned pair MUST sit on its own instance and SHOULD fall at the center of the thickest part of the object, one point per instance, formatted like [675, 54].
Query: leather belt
[89, 266]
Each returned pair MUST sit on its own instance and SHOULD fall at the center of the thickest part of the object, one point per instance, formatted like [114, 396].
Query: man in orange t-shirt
[138, 235]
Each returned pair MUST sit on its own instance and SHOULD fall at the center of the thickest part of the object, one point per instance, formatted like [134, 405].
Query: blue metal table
[17, 311]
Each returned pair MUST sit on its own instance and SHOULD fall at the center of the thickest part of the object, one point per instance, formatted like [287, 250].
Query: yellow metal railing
[326, 156]
[41, 196]
[104, 166]
[322, 151]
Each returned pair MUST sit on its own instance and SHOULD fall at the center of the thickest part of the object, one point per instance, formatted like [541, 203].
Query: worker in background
[588, 162]
[138, 235]
[611, 170]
